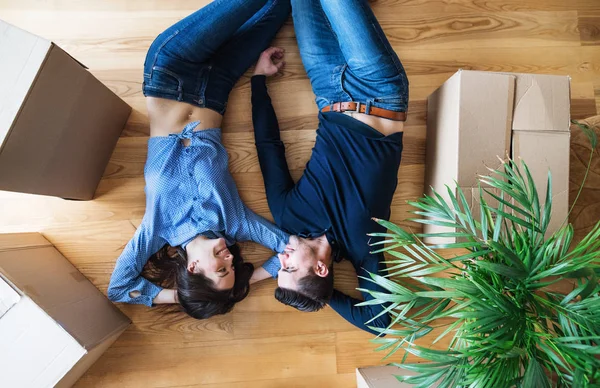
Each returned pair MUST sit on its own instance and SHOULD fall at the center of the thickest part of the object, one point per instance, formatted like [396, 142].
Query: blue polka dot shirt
[189, 192]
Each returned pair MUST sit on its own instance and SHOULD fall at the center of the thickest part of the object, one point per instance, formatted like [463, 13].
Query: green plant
[496, 303]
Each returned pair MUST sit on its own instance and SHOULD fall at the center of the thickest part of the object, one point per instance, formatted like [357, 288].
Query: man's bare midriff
[384, 126]
[169, 116]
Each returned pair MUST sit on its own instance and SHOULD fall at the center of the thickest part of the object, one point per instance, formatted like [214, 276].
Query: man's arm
[270, 148]
[358, 316]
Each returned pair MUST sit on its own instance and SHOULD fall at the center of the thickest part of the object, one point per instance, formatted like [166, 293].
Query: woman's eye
[221, 269]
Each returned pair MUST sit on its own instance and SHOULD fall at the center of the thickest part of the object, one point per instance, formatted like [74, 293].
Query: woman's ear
[322, 269]
[191, 267]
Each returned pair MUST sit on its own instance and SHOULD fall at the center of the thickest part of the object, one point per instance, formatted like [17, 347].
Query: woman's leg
[242, 50]
[320, 51]
[178, 64]
[197, 37]
[374, 71]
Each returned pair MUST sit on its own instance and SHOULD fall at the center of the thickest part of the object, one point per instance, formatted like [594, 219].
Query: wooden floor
[262, 343]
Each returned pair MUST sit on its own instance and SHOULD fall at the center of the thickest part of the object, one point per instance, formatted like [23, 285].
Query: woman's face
[211, 258]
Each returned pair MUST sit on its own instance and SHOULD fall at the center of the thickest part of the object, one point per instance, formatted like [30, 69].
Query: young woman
[194, 214]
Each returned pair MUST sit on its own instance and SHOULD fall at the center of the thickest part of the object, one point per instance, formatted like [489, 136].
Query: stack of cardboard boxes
[58, 128]
[476, 118]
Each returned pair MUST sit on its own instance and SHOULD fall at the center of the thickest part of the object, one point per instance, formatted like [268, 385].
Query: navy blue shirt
[351, 177]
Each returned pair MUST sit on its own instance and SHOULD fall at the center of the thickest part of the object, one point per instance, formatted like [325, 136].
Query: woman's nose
[229, 257]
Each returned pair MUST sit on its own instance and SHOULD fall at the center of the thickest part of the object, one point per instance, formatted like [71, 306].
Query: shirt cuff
[272, 266]
[258, 83]
[148, 293]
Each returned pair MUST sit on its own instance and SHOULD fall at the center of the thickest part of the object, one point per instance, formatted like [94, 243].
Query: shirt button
[191, 174]
[187, 150]
[195, 198]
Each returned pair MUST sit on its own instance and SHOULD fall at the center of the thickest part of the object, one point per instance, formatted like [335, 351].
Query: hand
[258, 275]
[166, 296]
[266, 63]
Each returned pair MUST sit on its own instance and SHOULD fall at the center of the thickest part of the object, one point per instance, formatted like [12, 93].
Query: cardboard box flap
[34, 350]
[383, 377]
[442, 139]
[542, 103]
[83, 115]
[8, 296]
[486, 101]
[554, 158]
[64, 293]
[27, 53]
[12, 241]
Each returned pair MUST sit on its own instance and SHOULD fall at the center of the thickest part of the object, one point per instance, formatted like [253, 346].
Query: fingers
[280, 65]
[276, 52]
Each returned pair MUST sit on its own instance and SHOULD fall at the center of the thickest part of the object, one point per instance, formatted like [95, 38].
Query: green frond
[495, 303]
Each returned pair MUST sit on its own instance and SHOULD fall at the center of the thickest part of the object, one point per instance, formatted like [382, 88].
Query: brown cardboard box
[382, 377]
[54, 324]
[58, 123]
[476, 117]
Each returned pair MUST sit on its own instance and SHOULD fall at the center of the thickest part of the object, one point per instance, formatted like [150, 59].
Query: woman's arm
[126, 283]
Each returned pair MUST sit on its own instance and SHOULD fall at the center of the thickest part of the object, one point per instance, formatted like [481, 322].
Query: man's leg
[374, 71]
[320, 51]
[242, 50]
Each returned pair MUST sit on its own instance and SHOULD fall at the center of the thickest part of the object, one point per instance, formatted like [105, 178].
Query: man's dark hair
[313, 292]
[196, 293]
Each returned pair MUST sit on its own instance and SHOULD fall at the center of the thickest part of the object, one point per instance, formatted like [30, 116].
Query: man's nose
[283, 257]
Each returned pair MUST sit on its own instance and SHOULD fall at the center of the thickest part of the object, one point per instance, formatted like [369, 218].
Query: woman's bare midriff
[169, 116]
[384, 126]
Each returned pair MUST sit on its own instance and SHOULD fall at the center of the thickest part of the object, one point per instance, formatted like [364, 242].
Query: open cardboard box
[54, 324]
[58, 123]
[477, 117]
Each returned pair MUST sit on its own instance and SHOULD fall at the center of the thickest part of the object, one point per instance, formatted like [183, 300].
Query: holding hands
[270, 62]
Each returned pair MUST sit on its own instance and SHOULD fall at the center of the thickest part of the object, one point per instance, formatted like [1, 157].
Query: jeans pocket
[164, 80]
[393, 99]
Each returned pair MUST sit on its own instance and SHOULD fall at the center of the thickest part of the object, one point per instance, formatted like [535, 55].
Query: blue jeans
[199, 59]
[347, 56]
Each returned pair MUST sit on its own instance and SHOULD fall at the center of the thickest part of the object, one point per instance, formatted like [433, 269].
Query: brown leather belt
[362, 108]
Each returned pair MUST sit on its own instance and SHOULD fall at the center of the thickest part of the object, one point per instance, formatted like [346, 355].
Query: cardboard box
[54, 324]
[475, 118]
[58, 123]
[383, 377]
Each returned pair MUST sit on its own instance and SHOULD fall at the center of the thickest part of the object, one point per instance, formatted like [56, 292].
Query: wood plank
[353, 348]
[589, 30]
[340, 380]
[189, 363]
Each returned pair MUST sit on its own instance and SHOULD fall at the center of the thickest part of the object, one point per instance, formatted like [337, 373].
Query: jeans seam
[266, 12]
[158, 50]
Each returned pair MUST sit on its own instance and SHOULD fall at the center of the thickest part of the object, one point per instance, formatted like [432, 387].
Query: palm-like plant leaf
[495, 306]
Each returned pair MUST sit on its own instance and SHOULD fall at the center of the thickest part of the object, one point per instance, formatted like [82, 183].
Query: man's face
[301, 257]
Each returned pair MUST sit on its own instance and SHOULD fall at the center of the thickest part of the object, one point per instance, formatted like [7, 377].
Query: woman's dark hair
[196, 293]
[313, 292]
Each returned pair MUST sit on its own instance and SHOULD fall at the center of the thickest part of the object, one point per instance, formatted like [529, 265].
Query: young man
[362, 93]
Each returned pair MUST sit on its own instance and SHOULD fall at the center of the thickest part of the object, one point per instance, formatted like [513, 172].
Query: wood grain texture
[263, 343]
